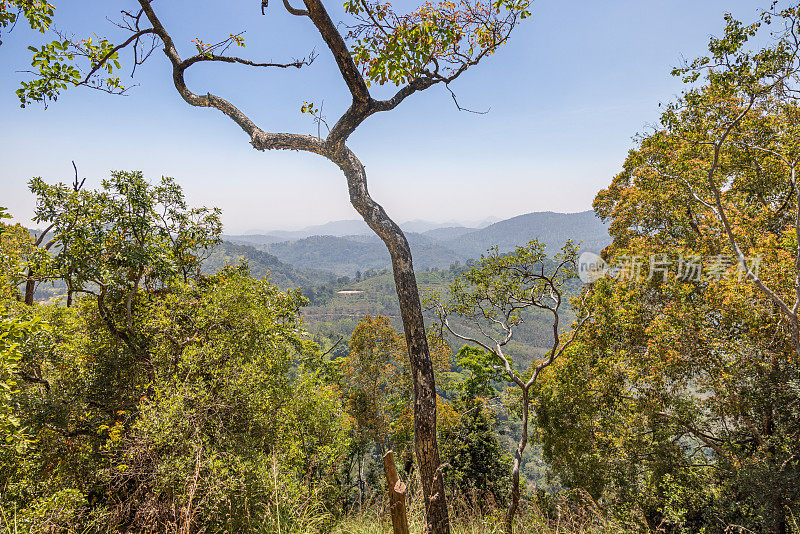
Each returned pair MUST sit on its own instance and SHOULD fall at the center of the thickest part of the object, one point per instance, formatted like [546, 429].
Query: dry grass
[566, 516]
[570, 514]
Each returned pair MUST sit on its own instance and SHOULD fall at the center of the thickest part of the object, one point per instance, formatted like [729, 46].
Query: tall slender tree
[432, 45]
[492, 298]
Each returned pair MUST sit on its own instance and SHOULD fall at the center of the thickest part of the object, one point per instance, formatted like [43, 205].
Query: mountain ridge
[434, 248]
[551, 228]
[346, 227]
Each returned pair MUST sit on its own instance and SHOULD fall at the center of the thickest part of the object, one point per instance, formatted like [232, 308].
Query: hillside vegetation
[345, 256]
[262, 264]
[335, 312]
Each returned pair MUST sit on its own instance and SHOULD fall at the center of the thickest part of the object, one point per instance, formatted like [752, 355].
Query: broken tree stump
[397, 495]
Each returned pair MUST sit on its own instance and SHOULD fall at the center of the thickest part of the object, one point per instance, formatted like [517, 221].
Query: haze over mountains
[345, 247]
[351, 227]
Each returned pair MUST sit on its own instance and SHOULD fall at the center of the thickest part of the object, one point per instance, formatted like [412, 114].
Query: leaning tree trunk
[425, 442]
[523, 442]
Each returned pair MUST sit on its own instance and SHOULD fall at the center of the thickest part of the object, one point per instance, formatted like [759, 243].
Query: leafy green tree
[724, 141]
[376, 379]
[227, 415]
[223, 427]
[162, 398]
[124, 241]
[14, 329]
[688, 376]
[40, 268]
[127, 234]
[432, 45]
[477, 462]
[490, 297]
[376, 385]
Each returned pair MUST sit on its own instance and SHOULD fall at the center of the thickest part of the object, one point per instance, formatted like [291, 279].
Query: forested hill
[347, 255]
[260, 262]
[552, 229]
[435, 248]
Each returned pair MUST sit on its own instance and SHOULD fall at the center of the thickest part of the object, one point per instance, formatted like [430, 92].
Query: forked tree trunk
[425, 443]
[334, 148]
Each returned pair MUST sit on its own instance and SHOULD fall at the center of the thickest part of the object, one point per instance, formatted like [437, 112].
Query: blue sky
[565, 97]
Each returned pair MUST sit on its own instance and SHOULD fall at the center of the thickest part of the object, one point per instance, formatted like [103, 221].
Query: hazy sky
[565, 96]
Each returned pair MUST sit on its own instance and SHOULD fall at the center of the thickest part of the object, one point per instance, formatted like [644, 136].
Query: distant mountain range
[351, 227]
[552, 229]
[317, 260]
[344, 247]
